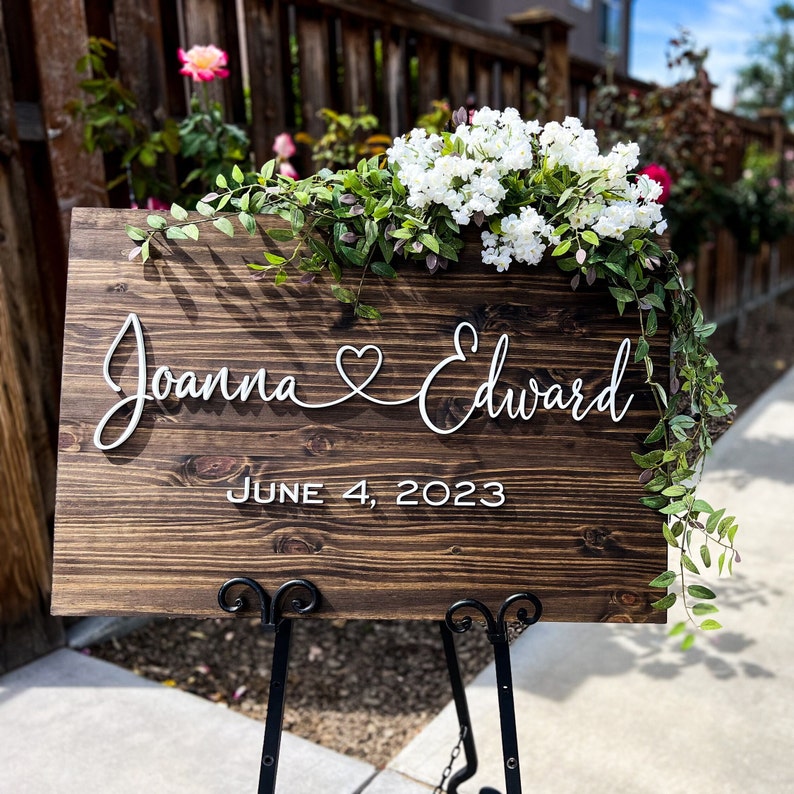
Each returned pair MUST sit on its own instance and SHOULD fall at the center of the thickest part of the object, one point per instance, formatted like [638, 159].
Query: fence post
[60, 38]
[268, 53]
[553, 34]
[27, 462]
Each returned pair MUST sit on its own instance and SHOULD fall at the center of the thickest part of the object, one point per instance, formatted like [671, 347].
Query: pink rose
[659, 174]
[203, 64]
[287, 169]
[284, 146]
[152, 203]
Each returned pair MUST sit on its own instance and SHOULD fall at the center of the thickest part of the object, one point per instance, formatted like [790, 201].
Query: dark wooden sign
[473, 444]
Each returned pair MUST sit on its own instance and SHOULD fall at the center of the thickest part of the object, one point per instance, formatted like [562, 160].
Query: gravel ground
[365, 688]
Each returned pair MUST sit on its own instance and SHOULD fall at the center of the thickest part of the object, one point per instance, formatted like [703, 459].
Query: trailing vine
[532, 191]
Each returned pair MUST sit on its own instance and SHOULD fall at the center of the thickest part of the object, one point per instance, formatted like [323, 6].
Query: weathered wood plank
[459, 83]
[148, 525]
[445, 26]
[60, 38]
[314, 58]
[429, 63]
[483, 81]
[27, 406]
[266, 60]
[395, 80]
[358, 60]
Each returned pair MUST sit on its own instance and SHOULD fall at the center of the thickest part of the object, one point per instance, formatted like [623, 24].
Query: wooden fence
[288, 60]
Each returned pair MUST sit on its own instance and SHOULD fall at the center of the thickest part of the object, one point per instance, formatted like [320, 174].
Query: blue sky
[726, 27]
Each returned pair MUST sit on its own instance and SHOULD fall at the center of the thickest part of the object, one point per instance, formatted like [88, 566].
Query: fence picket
[314, 57]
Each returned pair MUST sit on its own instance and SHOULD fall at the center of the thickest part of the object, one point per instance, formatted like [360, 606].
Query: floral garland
[534, 191]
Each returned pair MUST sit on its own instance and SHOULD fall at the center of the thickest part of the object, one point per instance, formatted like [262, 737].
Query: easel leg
[462, 710]
[507, 716]
[272, 622]
[274, 720]
[497, 636]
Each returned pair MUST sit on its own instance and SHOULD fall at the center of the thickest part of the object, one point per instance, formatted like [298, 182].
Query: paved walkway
[602, 709]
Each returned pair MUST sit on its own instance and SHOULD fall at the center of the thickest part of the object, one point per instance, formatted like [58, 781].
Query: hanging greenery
[533, 191]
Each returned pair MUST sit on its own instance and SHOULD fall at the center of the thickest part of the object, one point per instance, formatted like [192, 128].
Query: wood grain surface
[146, 527]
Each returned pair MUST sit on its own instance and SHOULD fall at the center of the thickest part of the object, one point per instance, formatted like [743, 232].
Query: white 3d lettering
[521, 404]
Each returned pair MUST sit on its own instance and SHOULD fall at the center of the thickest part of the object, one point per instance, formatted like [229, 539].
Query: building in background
[599, 30]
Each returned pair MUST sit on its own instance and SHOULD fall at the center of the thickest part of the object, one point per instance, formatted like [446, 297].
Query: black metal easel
[274, 621]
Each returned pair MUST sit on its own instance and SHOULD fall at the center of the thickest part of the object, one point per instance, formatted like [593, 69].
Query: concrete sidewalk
[602, 709]
[616, 709]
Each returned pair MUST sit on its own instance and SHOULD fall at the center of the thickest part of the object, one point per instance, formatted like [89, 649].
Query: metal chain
[439, 789]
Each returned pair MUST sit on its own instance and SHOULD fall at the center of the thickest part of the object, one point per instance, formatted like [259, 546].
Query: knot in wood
[213, 467]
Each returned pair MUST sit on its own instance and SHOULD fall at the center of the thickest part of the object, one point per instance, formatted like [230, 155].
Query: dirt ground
[365, 688]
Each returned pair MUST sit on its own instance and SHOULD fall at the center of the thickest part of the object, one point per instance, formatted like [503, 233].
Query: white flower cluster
[468, 174]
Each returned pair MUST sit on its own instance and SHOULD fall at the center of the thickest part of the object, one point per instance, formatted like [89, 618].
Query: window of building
[611, 25]
[584, 5]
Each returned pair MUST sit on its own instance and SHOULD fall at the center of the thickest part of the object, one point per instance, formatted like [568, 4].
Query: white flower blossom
[468, 174]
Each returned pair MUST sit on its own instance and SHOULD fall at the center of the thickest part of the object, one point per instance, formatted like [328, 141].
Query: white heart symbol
[359, 352]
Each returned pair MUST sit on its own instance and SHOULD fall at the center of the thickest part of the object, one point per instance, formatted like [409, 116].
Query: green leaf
[191, 230]
[134, 233]
[590, 237]
[562, 248]
[429, 241]
[673, 508]
[280, 235]
[650, 460]
[666, 602]
[704, 609]
[145, 251]
[369, 312]
[701, 506]
[274, 259]
[370, 231]
[705, 555]
[651, 323]
[674, 490]
[710, 625]
[655, 434]
[679, 628]
[175, 233]
[706, 330]
[156, 221]
[654, 502]
[382, 269]
[268, 169]
[688, 642]
[296, 219]
[699, 591]
[220, 181]
[207, 210]
[248, 223]
[654, 300]
[621, 294]
[642, 350]
[669, 536]
[280, 278]
[353, 255]
[320, 248]
[224, 225]
[237, 174]
[343, 295]
[179, 212]
[663, 580]
[688, 564]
